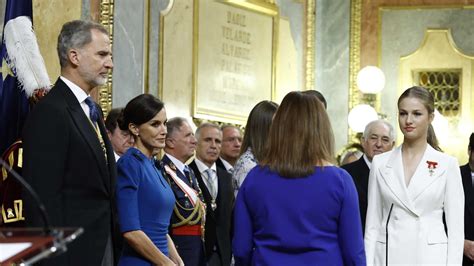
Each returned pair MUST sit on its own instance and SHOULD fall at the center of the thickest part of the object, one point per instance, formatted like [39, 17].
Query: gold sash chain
[101, 140]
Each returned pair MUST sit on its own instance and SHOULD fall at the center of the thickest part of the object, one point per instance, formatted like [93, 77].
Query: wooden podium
[35, 244]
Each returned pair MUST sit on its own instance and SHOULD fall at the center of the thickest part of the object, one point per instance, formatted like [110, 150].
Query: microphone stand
[386, 235]
[44, 215]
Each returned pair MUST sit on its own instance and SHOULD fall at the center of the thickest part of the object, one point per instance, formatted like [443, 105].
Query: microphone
[44, 215]
[386, 235]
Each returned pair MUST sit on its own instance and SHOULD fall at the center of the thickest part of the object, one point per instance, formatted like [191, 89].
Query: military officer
[187, 220]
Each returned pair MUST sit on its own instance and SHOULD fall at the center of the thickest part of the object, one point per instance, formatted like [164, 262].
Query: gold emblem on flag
[15, 215]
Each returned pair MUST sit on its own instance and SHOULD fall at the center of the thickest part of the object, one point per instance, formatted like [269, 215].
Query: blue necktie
[187, 174]
[186, 171]
[93, 111]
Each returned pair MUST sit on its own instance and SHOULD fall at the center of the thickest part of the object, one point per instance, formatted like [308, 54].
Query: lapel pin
[431, 166]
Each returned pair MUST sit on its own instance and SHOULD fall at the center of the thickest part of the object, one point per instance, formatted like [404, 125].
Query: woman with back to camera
[144, 199]
[255, 138]
[296, 208]
[409, 189]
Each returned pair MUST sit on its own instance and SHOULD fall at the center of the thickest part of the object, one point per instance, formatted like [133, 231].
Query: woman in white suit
[409, 189]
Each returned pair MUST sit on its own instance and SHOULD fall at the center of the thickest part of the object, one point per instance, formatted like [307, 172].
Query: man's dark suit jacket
[468, 208]
[218, 222]
[220, 164]
[360, 174]
[66, 165]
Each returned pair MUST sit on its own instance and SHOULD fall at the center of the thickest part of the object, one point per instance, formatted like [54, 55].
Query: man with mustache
[216, 186]
[378, 137]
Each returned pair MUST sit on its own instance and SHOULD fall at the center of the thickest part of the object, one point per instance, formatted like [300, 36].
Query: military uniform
[187, 221]
[11, 204]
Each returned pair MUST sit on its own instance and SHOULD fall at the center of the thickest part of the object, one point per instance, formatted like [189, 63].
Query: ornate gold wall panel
[107, 20]
[230, 73]
[310, 20]
[354, 53]
[354, 57]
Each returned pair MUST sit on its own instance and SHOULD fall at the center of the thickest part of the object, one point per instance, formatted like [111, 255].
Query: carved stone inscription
[234, 60]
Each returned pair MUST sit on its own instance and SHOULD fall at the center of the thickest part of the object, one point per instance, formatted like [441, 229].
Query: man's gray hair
[230, 126]
[205, 125]
[75, 34]
[173, 125]
[368, 128]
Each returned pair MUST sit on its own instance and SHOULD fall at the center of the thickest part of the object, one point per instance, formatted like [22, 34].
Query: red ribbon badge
[431, 166]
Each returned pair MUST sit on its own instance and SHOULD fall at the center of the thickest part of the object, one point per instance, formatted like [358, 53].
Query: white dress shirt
[80, 94]
[228, 167]
[366, 159]
[202, 170]
[179, 165]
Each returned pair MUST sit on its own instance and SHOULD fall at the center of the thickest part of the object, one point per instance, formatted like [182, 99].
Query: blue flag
[13, 101]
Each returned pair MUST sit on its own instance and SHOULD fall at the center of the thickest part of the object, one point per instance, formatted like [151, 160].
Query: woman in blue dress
[144, 199]
[296, 208]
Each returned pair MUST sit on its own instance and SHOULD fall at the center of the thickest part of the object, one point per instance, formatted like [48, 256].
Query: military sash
[188, 191]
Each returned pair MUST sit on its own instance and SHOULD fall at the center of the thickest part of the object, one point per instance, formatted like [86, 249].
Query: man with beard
[68, 158]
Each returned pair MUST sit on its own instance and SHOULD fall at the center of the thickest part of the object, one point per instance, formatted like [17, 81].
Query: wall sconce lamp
[370, 81]
[360, 116]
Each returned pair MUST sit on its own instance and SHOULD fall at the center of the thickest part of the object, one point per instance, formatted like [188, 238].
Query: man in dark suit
[121, 139]
[378, 137]
[188, 211]
[216, 186]
[230, 148]
[467, 173]
[68, 158]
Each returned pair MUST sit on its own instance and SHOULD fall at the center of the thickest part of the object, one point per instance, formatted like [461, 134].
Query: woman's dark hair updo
[139, 110]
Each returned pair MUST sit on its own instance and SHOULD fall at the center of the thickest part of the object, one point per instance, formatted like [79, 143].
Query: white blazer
[416, 234]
